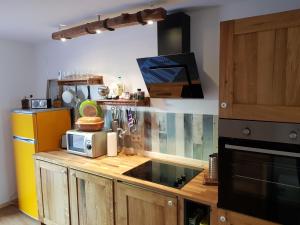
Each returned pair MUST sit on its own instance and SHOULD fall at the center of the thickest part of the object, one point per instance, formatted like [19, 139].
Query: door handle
[262, 150]
[26, 140]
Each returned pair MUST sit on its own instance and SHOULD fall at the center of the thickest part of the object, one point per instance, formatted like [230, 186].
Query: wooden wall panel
[245, 68]
[279, 74]
[265, 65]
[226, 68]
[267, 22]
[293, 67]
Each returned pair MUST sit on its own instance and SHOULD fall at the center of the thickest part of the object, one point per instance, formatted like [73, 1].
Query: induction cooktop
[162, 173]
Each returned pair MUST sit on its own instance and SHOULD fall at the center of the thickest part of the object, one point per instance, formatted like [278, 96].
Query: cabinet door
[260, 69]
[91, 199]
[51, 125]
[53, 193]
[226, 217]
[136, 206]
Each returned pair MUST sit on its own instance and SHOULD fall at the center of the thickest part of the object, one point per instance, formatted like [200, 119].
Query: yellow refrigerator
[34, 131]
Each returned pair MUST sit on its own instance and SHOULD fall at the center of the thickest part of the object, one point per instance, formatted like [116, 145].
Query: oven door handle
[262, 150]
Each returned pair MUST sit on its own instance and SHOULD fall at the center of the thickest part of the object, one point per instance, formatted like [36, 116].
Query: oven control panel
[262, 131]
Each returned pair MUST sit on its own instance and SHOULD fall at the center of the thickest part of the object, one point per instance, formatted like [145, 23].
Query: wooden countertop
[113, 167]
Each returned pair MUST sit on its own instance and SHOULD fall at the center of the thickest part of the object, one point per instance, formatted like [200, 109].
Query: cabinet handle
[170, 203]
[223, 105]
[222, 219]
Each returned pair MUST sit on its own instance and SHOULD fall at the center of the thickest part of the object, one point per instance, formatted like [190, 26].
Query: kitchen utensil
[68, 96]
[213, 166]
[116, 113]
[25, 103]
[115, 125]
[112, 144]
[212, 177]
[89, 108]
[128, 149]
[130, 120]
[57, 103]
[90, 123]
[103, 91]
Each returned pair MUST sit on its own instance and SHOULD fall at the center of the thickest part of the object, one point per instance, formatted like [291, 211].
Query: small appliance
[89, 144]
[163, 173]
[40, 103]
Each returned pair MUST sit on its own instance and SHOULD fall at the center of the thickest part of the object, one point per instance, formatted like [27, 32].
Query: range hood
[171, 76]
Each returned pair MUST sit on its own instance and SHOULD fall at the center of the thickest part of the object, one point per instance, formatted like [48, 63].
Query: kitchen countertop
[113, 167]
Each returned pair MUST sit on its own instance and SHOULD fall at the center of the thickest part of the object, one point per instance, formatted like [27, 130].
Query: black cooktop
[162, 173]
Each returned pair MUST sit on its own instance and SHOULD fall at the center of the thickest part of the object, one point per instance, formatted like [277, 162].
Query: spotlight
[150, 22]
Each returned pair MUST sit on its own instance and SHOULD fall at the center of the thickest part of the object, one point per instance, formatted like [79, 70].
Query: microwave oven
[89, 144]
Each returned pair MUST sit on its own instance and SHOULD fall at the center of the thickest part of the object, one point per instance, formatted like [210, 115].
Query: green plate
[90, 108]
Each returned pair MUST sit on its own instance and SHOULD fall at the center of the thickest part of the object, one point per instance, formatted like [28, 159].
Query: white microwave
[89, 144]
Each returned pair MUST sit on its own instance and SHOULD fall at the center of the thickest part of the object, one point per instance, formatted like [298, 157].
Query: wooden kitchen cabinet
[260, 69]
[91, 199]
[226, 217]
[136, 206]
[53, 193]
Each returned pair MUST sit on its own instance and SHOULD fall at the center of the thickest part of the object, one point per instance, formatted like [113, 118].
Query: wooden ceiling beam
[124, 20]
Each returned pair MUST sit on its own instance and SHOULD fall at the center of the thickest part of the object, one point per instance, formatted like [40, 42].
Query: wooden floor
[12, 216]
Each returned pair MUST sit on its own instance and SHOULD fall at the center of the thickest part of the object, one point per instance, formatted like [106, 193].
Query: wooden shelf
[88, 81]
[122, 102]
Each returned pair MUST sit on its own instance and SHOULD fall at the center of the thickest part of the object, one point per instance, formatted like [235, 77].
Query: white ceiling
[35, 20]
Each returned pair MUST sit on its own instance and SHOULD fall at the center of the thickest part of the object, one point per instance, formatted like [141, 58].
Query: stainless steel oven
[259, 167]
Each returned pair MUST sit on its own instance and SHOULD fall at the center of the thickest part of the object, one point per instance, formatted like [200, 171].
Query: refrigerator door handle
[27, 140]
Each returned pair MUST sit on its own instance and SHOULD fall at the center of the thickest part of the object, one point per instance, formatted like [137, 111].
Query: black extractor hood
[171, 76]
[174, 73]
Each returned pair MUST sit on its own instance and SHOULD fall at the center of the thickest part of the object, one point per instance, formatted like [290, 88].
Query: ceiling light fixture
[150, 22]
[144, 17]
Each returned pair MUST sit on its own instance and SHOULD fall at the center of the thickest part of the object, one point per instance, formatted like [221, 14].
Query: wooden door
[226, 217]
[53, 193]
[260, 69]
[136, 206]
[91, 199]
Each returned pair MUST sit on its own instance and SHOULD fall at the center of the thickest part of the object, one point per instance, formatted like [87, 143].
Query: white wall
[17, 80]
[110, 54]
[115, 53]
